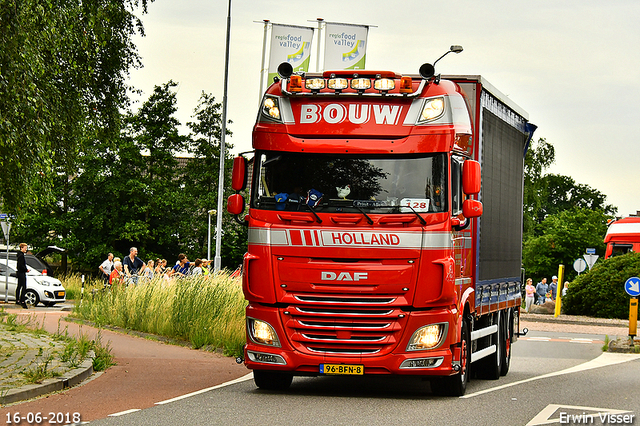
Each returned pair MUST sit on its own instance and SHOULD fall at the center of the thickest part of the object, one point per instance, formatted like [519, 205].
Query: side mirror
[235, 204]
[471, 178]
[239, 174]
[471, 208]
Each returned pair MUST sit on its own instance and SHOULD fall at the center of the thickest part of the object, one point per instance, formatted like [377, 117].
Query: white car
[40, 288]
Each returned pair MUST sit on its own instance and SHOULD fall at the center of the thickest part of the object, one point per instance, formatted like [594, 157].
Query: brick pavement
[26, 352]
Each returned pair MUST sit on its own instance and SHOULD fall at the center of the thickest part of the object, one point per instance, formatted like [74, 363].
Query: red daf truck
[623, 236]
[375, 246]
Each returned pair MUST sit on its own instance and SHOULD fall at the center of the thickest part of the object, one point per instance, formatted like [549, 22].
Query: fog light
[422, 363]
[48, 294]
[266, 358]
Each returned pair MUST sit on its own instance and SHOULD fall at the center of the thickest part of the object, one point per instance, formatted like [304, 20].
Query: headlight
[271, 108]
[262, 333]
[428, 337]
[433, 108]
[42, 282]
[361, 84]
[384, 84]
[314, 83]
[338, 83]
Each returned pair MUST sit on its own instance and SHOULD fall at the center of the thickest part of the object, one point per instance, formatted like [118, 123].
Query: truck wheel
[506, 345]
[456, 385]
[490, 367]
[272, 380]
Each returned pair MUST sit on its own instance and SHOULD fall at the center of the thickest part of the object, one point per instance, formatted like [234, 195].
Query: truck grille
[344, 330]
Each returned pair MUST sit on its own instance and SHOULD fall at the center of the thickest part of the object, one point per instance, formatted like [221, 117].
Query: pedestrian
[197, 268]
[116, 276]
[205, 268]
[530, 294]
[21, 274]
[565, 288]
[541, 291]
[181, 268]
[553, 287]
[133, 266]
[106, 267]
[149, 270]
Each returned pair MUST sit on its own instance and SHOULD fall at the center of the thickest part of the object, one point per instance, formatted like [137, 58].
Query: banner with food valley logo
[290, 44]
[345, 46]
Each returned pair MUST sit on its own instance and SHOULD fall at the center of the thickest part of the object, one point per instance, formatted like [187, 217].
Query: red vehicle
[623, 236]
[374, 245]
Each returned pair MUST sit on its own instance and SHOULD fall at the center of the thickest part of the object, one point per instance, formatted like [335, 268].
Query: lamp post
[217, 261]
[214, 211]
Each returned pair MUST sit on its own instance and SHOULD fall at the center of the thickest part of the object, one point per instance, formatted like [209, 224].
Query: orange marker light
[295, 83]
[406, 85]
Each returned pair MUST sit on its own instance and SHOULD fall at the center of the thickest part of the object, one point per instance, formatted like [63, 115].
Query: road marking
[585, 415]
[604, 360]
[122, 413]
[562, 339]
[231, 382]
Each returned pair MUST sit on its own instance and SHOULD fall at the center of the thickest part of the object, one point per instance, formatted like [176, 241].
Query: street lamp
[214, 211]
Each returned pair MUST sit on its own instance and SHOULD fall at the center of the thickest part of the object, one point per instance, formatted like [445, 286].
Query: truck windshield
[349, 183]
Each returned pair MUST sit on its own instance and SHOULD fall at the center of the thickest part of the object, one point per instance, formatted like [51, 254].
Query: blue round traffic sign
[632, 286]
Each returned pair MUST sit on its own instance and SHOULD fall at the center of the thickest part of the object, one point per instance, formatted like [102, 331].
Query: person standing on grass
[181, 268]
[21, 274]
[133, 265]
[106, 267]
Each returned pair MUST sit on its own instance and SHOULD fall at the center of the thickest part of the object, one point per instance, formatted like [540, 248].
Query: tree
[539, 157]
[566, 236]
[600, 292]
[203, 173]
[63, 65]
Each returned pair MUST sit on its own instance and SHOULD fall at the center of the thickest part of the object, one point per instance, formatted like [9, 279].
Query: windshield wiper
[365, 215]
[424, 222]
[314, 213]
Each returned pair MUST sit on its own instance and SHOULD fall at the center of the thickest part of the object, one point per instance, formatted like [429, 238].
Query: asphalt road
[524, 397]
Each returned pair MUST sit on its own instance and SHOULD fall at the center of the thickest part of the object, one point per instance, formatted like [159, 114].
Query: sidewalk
[26, 352]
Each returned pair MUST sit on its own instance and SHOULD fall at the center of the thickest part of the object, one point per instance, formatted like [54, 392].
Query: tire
[506, 344]
[490, 367]
[272, 380]
[456, 385]
[31, 298]
[49, 304]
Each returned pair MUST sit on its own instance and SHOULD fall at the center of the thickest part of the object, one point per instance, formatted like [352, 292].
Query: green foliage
[204, 311]
[566, 236]
[600, 292]
[63, 66]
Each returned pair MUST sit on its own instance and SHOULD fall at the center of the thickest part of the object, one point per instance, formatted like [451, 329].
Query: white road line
[580, 341]
[538, 339]
[606, 359]
[231, 382]
[122, 413]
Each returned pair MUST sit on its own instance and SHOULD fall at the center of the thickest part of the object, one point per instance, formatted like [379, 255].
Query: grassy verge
[207, 312]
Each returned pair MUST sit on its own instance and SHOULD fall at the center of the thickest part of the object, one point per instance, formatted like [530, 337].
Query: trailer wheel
[506, 345]
[272, 380]
[456, 385]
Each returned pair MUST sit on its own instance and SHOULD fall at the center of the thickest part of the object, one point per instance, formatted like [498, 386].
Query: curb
[69, 379]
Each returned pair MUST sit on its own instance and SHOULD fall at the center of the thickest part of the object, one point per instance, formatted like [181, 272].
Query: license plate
[342, 369]
[60, 293]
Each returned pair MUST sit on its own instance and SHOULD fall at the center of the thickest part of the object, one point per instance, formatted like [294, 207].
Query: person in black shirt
[21, 274]
[133, 265]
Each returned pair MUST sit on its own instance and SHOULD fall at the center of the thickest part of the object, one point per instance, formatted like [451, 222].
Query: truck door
[462, 243]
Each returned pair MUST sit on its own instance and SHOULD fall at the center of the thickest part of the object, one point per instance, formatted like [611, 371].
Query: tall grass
[204, 311]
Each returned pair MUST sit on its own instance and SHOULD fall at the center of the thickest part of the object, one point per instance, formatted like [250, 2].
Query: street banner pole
[633, 317]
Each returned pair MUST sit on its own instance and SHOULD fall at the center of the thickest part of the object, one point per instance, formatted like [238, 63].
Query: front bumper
[299, 356]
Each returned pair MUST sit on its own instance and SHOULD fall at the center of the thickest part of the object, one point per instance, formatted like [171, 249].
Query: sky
[573, 65]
